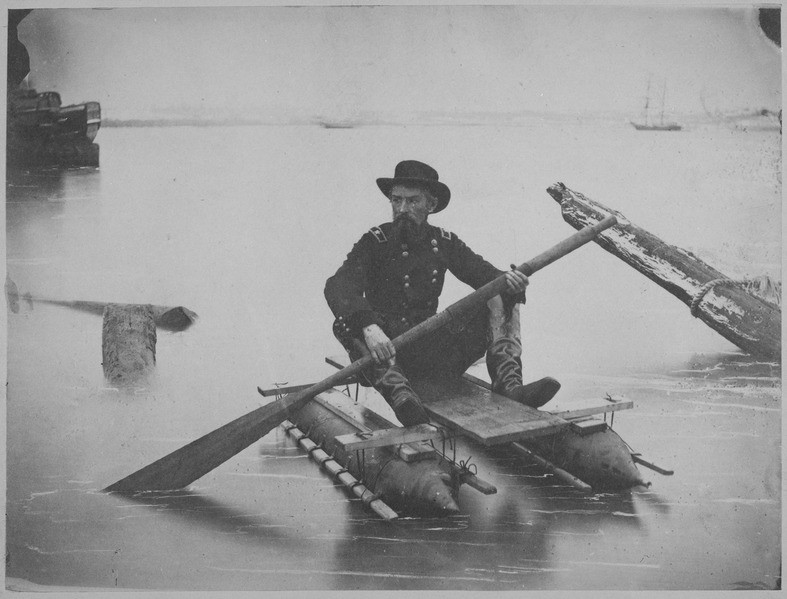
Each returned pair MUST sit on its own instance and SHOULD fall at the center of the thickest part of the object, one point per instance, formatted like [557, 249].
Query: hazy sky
[344, 61]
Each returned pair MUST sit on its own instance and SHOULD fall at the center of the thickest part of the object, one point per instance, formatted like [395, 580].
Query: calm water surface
[243, 225]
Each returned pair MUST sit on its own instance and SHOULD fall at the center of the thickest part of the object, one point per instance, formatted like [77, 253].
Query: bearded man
[392, 280]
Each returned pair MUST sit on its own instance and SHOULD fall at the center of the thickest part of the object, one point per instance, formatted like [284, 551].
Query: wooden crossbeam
[362, 417]
[587, 426]
[276, 391]
[593, 410]
[389, 436]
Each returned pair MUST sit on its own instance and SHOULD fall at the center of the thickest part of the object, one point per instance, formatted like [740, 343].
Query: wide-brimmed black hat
[417, 174]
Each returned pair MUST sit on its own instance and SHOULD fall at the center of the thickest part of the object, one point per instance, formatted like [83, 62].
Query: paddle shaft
[192, 461]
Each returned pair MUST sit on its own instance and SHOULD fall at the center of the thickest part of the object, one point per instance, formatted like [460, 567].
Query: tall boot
[504, 359]
[392, 384]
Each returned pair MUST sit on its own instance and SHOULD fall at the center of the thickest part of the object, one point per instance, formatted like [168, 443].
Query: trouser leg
[504, 359]
[392, 383]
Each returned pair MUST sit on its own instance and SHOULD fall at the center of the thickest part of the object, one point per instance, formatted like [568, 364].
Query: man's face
[411, 203]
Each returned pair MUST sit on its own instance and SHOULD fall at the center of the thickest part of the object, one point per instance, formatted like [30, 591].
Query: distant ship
[337, 124]
[661, 125]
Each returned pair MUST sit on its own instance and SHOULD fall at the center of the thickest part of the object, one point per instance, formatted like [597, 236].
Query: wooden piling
[128, 343]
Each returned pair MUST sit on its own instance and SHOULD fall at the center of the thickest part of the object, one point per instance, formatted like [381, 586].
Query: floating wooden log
[728, 307]
[168, 318]
[128, 343]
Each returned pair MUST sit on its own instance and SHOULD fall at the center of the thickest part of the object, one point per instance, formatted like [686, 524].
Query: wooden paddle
[187, 464]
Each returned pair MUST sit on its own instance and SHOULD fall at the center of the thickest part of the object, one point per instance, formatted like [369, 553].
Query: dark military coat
[398, 285]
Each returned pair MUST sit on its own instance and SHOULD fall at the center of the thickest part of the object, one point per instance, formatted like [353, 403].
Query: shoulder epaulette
[445, 234]
[378, 234]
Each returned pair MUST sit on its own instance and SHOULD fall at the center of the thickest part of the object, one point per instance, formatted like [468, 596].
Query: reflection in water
[199, 510]
[508, 543]
[728, 367]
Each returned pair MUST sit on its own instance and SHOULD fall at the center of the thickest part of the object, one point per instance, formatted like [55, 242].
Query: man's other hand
[380, 346]
[516, 281]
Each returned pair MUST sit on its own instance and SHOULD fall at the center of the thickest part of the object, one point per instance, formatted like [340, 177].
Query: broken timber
[751, 323]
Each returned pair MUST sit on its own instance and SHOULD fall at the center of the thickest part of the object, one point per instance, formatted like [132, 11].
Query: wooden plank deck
[480, 414]
[470, 409]
[573, 410]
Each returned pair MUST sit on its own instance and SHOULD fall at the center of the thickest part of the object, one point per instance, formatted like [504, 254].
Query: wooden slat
[276, 391]
[389, 436]
[591, 425]
[368, 420]
[593, 410]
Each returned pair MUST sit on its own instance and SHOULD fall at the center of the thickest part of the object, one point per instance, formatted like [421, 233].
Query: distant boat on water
[649, 124]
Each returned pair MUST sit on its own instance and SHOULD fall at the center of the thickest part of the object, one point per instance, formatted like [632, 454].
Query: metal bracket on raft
[636, 457]
[566, 477]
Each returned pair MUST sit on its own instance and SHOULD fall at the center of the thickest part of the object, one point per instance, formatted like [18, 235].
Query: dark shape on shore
[40, 132]
[18, 57]
[771, 23]
[11, 294]
[746, 312]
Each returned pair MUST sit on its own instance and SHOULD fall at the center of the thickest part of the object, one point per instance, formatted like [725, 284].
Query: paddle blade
[185, 465]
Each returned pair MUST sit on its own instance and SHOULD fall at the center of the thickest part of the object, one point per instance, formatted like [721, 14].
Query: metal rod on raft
[339, 472]
[550, 467]
[639, 460]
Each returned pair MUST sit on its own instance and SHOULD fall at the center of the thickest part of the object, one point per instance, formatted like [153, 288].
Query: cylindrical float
[423, 487]
[601, 459]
